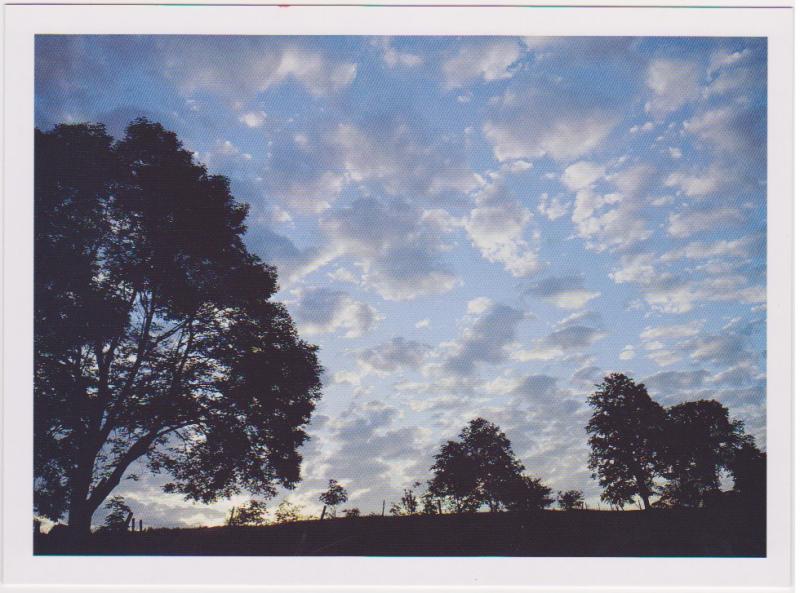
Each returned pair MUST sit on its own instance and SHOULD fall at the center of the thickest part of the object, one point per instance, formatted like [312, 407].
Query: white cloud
[394, 58]
[396, 248]
[697, 185]
[253, 119]
[723, 58]
[582, 174]
[672, 83]
[553, 208]
[485, 340]
[488, 61]
[612, 220]
[690, 222]
[497, 228]
[743, 247]
[566, 292]
[727, 129]
[320, 311]
[241, 67]
[627, 353]
[673, 331]
[562, 136]
[388, 357]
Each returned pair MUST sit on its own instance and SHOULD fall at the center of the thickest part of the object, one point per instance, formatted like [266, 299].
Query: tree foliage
[154, 331]
[525, 494]
[701, 440]
[251, 514]
[332, 497]
[626, 433]
[117, 519]
[288, 512]
[570, 500]
[480, 469]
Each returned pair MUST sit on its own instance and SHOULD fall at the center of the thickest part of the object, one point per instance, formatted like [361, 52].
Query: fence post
[383, 508]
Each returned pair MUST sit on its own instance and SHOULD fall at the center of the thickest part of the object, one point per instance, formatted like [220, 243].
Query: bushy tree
[351, 513]
[626, 436]
[525, 494]
[701, 441]
[570, 500]
[332, 497]
[479, 468]
[251, 514]
[154, 332]
[288, 512]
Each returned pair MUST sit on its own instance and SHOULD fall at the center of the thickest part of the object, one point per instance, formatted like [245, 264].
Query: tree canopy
[701, 441]
[639, 448]
[155, 336]
[481, 469]
[626, 432]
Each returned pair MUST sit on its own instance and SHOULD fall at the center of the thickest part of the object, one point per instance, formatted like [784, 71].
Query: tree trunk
[80, 519]
[324, 508]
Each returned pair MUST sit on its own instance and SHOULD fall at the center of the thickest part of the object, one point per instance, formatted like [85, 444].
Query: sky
[469, 226]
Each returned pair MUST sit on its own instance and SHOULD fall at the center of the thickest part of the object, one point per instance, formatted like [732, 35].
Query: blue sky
[470, 226]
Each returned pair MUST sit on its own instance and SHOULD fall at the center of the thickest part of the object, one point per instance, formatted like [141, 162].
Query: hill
[663, 532]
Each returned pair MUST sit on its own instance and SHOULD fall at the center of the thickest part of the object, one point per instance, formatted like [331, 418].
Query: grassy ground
[546, 533]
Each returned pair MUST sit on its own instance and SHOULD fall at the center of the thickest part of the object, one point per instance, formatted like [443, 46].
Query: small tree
[475, 469]
[251, 514]
[288, 512]
[332, 497]
[351, 513]
[409, 503]
[117, 519]
[626, 436]
[526, 494]
[570, 500]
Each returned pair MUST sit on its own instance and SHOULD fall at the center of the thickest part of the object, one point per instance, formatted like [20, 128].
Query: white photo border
[20, 567]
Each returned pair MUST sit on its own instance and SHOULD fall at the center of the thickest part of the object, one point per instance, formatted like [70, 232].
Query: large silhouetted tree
[701, 441]
[155, 336]
[479, 468]
[626, 435]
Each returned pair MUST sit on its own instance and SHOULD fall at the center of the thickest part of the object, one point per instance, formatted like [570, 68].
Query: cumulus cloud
[668, 382]
[690, 222]
[730, 129]
[321, 310]
[388, 357]
[532, 120]
[609, 220]
[485, 60]
[696, 185]
[394, 58]
[238, 67]
[673, 83]
[552, 207]
[389, 154]
[570, 336]
[566, 292]
[497, 227]
[397, 248]
[485, 339]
